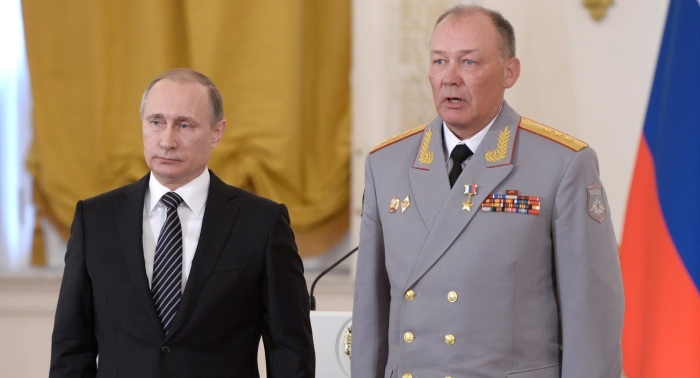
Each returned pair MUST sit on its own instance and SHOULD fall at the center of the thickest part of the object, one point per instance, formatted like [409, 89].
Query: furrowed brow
[460, 52]
[154, 116]
[186, 119]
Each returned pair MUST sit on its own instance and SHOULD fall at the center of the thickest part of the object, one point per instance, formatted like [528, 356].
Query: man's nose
[168, 139]
[451, 77]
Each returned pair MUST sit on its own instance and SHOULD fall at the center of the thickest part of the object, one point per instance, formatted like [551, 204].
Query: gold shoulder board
[399, 137]
[553, 134]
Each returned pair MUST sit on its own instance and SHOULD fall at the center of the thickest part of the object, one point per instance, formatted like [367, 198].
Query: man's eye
[155, 123]
[184, 125]
[468, 62]
[439, 61]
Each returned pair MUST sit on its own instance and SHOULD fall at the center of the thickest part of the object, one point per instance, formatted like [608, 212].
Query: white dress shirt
[191, 213]
[451, 141]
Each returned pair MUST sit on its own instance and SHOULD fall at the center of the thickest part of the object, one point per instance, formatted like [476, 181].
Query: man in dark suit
[180, 274]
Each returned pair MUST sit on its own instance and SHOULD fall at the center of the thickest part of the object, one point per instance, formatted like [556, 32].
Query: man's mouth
[454, 100]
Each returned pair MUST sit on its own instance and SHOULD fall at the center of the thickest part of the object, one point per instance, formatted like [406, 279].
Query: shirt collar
[194, 193]
[451, 140]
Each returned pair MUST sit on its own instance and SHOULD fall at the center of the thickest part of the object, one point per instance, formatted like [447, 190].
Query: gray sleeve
[589, 281]
[370, 320]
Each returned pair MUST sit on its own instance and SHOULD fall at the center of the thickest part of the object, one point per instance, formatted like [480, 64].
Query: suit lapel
[130, 230]
[219, 216]
[490, 165]
[429, 182]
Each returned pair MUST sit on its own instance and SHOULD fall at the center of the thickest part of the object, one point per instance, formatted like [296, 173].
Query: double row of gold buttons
[408, 336]
[449, 338]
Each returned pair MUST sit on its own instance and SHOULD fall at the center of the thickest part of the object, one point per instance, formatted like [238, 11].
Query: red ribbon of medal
[510, 203]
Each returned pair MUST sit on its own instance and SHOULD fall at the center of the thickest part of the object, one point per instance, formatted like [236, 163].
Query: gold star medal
[469, 190]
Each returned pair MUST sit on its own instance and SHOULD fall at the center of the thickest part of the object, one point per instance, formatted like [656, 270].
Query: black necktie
[167, 265]
[459, 154]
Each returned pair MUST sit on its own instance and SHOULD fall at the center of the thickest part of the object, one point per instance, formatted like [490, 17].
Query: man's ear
[219, 129]
[511, 72]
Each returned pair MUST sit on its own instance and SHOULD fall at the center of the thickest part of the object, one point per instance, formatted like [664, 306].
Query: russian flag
[660, 252]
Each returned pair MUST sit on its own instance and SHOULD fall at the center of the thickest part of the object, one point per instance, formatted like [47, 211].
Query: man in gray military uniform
[500, 263]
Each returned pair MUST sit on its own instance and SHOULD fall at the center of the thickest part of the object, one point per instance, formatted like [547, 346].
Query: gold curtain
[282, 67]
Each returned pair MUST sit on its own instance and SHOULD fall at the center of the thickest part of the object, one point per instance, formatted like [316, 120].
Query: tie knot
[171, 200]
[460, 153]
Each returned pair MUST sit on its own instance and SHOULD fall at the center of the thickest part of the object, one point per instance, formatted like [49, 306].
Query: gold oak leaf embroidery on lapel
[501, 150]
[425, 156]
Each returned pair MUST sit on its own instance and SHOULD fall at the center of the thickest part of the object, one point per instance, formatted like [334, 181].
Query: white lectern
[332, 340]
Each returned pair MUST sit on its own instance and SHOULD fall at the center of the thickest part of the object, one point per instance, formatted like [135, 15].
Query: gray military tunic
[512, 273]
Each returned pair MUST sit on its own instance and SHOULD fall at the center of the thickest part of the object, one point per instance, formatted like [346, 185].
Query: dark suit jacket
[246, 282]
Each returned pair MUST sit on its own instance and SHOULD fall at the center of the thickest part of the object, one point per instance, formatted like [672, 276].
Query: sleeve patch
[595, 204]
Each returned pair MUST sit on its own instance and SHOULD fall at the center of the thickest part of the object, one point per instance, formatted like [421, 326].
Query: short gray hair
[505, 29]
[216, 104]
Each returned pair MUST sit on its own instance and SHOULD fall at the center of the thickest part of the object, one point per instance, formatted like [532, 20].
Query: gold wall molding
[597, 8]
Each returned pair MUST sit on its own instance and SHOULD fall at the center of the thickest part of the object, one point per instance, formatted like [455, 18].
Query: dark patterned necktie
[458, 155]
[167, 266]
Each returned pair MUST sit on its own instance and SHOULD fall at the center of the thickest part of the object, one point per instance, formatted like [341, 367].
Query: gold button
[449, 339]
[407, 375]
[410, 294]
[408, 337]
[452, 296]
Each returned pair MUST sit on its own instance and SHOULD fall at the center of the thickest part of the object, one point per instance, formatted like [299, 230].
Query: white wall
[27, 307]
[590, 79]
